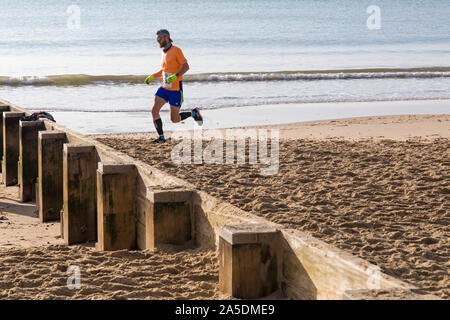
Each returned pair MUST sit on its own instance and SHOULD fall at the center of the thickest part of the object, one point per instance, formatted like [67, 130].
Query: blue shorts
[175, 98]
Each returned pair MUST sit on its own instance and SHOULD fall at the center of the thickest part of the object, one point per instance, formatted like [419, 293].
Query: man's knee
[155, 110]
[157, 105]
[174, 117]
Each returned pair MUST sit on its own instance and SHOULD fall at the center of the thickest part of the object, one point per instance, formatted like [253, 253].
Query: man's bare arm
[183, 69]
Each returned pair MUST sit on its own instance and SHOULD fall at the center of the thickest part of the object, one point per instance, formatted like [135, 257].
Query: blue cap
[164, 32]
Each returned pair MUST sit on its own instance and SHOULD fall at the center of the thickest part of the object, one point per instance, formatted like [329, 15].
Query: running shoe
[197, 117]
[159, 140]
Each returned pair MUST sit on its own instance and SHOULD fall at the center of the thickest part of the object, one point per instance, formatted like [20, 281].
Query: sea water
[85, 61]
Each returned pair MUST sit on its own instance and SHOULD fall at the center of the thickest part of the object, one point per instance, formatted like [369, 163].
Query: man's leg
[157, 105]
[177, 116]
[175, 101]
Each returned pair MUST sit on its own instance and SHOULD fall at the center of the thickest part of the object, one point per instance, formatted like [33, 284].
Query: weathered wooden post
[10, 147]
[28, 158]
[79, 217]
[168, 218]
[116, 207]
[50, 174]
[249, 260]
[3, 108]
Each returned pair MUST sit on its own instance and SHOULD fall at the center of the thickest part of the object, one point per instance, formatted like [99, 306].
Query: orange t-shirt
[171, 63]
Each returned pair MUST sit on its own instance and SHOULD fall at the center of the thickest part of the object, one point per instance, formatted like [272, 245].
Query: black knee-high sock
[185, 115]
[159, 126]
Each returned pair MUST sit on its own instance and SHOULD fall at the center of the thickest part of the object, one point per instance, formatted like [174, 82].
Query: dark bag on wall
[39, 115]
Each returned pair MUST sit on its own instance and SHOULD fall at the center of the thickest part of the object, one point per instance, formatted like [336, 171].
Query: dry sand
[34, 263]
[41, 273]
[19, 225]
[386, 201]
[377, 187]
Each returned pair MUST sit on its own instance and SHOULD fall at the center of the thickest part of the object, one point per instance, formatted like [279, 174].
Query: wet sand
[378, 188]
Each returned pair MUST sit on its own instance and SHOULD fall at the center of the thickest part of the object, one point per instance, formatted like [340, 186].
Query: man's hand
[171, 78]
[149, 79]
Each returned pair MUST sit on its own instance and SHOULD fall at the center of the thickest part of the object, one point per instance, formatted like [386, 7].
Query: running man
[174, 65]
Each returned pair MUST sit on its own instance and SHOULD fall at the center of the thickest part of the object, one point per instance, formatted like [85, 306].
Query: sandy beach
[377, 187]
[349, 199]
[34, 263]
[41, 273]
[19, 225]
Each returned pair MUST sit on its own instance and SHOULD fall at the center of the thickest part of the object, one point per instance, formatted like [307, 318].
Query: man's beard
[163, 44]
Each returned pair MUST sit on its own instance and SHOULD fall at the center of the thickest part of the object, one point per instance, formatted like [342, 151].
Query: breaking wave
[85, 80]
